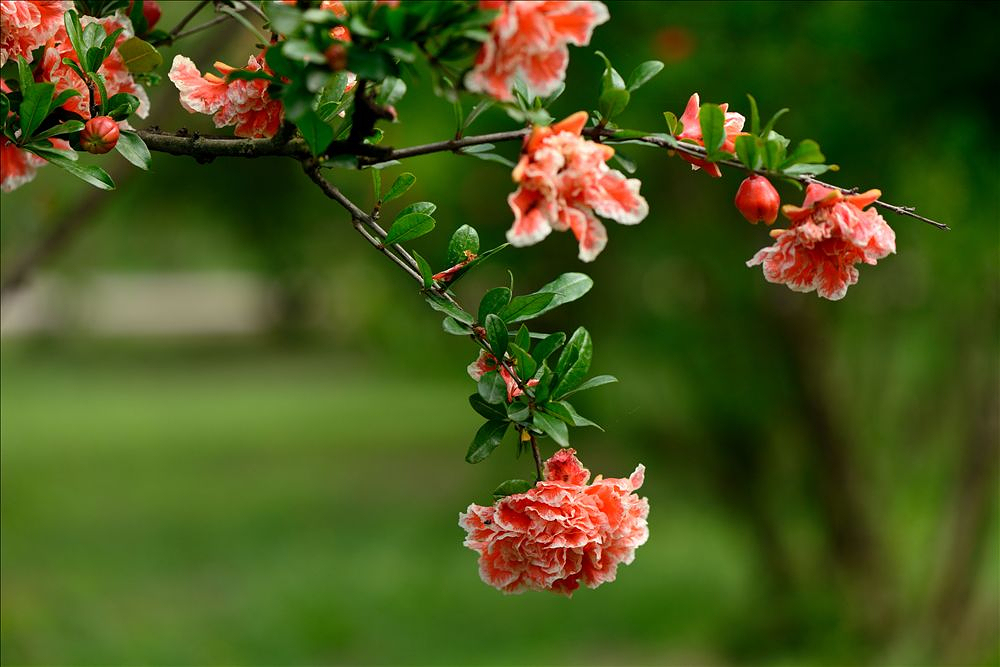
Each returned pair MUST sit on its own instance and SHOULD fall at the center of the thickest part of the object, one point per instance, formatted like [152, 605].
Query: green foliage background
[293, 498]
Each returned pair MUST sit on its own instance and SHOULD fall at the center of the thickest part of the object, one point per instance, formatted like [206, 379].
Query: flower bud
[99, 135]
[336, 57]
[758, 200]
[150, 11]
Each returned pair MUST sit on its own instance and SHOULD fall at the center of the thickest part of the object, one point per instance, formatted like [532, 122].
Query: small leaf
[488, 437]
[713, 132]
[419, 207]
[493, 301]
[554, 428]
[377, 184]
[492, 388]
[491, 411]
[754, 116]
[526, 365]
[68, 127]
[496, 335]
[443, 305]
[91, 174]
[612, 102]
[314, 130]
[544, 386]
[408, 227]
[453, 327]
[808, 170]
[746, 150]
[399, 187]
[643, 73]
[596, 381]
[425, 269]
[547, 346]
[568, 414]
[511, 487]
[518, 411]
[139, 55]
[464, 240]
[35, 108]
[131, 147]
[574, 362]
[525, 307]
[807, 152]
[567, 287]
[672, 121]
[523, 337]
[770, 124]
[480, 107]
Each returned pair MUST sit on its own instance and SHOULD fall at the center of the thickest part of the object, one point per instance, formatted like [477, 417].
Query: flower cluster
[692, 131]
[117, 78]
[528, 39]
[563, 181]
[24, 26]
[830, 234]
[238, 102]
[561, 533]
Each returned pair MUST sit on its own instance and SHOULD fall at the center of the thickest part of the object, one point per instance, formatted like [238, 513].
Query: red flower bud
[150, 11]
[758, 200]
[99, 135]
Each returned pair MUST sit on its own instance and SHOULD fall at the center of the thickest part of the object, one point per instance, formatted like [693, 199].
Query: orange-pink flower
[830, 234]
[529, 39]
[561, 533]
[242, 103]
[25, 25]
[564, 181]
[692, 130]
[17, 166]
[339, 32]
[486, 363]
[117, 78]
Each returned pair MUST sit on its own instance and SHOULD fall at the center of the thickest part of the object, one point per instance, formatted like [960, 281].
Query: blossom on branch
[564, 181]
[487, 363]
[561, 533]
[692, 130]
[337, 32]
[529, 39]
[238, 102]
[831, 233]
[117, 78]
[25, 25]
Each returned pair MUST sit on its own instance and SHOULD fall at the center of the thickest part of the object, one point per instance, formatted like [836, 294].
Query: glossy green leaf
[807, 152]
[511, 487]
[574, 362]
[408, 227]
[131, 147]
[68, 127]
[552, 427]
[643, 73]
[35, 108]
[419, 207]
[464, 241]
[89, 173]
[746, 151]
[490, 411]
[567, 287]
[770, 124]
[443, 305]
[566, 412]
[523, 337]
[526, 365]
[518, 411]
[492, 388]
[493, 302]
[596, 381]
[712, 122]
[487, 438]
[525, 307]
[496, 335]
[399, 187]
[426, 274]
[139, 55]
[672, 121]
[454, 327]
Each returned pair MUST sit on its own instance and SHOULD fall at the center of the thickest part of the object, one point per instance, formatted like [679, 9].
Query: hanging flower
[561, 533]
[830, 234]
[117, 78]
[564, 181]
[25, 25]
[239, 102]
[529, 39]
[692, 130]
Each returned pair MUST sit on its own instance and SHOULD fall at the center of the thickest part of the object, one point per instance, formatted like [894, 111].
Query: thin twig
[538, 457]
[204, 26]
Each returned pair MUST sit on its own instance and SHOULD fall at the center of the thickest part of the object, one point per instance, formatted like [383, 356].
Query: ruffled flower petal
[25, 25]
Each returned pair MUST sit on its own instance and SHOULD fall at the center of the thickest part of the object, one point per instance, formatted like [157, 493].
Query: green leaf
[511, 487]
[91, 174]
[596, 381]
[492, 388]
[24, 76]
[770, 124]
[284, 19]
[643, 73]
[443, 305]
[808, 170]
[672, 121]
[774, 154]
[544, 386]
[480, 107]
[408, 227]
[574, 362]
[491, 411]
[713, 131]
[567, 287]
[493, 301]
[133, 148]
[4, 110]
[102, 97]
[35, 108]
[807, 152]
[75, 33]
[139, 55]
[496, 335]
[399, 187]
[426, 274]
[518, 411]
[523, 337]
[526, 365]
[612, 102]
[547, 346]
[377, 184]
[568, 414]
[121, 106]
[525, 307]
[64, 97]
[68, 127]
[390, 91]
[754, 116]
[464, 240]
[453, 327]
[419, 207]
[746, 150]
[316, 132]
[554, 428]
[488, 437]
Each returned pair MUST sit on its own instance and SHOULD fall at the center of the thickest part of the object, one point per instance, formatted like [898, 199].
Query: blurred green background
[822, 476]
